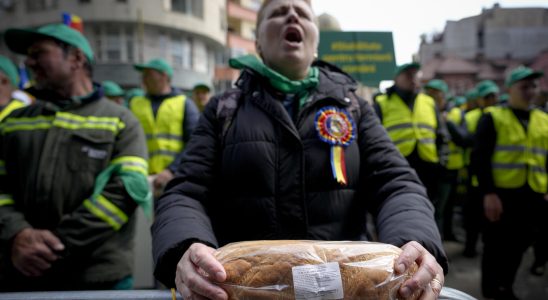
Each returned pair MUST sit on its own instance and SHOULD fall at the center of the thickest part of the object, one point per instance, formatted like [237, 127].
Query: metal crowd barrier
[446, 294]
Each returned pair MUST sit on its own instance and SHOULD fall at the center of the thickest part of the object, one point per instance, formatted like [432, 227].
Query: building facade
[240, 39]
[189, 34]
[485, 46]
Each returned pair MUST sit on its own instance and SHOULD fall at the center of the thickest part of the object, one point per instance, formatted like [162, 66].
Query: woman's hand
[190, 282]
[428, 280]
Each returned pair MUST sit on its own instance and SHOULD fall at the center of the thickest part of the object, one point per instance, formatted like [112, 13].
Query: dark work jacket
[270, 178]
[50, 171]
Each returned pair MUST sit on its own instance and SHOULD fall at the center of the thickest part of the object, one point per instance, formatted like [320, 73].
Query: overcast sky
[407, 19]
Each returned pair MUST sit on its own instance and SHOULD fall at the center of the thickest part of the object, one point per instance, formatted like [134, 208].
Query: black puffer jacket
[268, 177]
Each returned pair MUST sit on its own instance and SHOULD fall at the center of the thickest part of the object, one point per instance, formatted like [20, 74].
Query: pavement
[465, 273]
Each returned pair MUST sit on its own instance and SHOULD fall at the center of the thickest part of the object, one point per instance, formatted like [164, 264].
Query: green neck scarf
[301, 88]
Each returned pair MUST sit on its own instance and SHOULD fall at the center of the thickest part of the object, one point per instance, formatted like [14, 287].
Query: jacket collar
[335, 84]
[56, 102]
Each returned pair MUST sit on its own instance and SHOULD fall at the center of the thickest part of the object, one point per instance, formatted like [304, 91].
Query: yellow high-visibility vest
[520, 157]
[164, 133]
[455, 160]
[13, 105]
[472, 119]
[409, 129]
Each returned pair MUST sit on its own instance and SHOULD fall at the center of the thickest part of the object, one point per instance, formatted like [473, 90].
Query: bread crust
[263, 269]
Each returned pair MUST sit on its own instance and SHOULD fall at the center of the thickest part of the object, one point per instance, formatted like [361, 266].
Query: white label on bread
[318, 282]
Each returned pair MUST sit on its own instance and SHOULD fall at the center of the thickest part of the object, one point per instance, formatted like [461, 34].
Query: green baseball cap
[135, 92]
[471, 95]
[202, 86]
[157, 64]
[460, 100]
[521, 73]
[9, 69]
[19, 40]
[112, 89]
[406, 67]
[487, 87]
[504, 98]
[438, 84]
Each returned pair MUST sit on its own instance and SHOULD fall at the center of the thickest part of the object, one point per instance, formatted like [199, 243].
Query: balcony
[236, 41]
[237, 11]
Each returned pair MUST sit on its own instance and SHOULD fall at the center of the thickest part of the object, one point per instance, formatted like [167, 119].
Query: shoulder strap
[226, 108]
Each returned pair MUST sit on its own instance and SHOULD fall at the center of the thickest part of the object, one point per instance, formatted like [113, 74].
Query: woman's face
[287, 37]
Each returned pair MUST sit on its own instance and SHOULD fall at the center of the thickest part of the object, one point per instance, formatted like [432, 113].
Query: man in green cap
[486, 95]
[511, 162]
[167, 118]
[438, 90]
[67, 205]
[471, 99]
[200, 95]
[413, 123]
[8, 84]
[113, 92]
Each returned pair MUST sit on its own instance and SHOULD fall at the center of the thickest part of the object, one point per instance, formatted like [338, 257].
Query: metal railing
[446, 294]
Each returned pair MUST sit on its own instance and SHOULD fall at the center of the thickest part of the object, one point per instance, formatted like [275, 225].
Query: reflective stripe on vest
[6, 199]
[132, 164]
[2, 168]
[13, 105]
[408, 128]
[455, 160]
[519, 156]
[63, 120]
[106, 211]
[164, 133]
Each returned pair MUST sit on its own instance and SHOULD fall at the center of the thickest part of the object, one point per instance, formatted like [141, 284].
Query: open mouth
[293, 35]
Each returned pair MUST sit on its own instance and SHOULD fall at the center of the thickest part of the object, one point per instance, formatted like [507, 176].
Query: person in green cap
[167, 118]
[471, 99]
[414, 124]
[67, 205]
[8, 84]
[511, 155]
[438, 90]
[200, 95]
[113, 92]
[485, 94]
[488, 93]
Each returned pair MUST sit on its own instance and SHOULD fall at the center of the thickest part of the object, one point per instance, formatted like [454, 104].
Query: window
[113, 47]
[177, 52]
[254, 4]
[85, 1]
[114, 43]
[189, 7]
[98, 44]
[41, 5]
[181, 52]
[200, 57]
[130, 45]
[187, 53]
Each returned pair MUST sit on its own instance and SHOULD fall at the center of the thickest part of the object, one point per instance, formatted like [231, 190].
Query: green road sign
[367, 56]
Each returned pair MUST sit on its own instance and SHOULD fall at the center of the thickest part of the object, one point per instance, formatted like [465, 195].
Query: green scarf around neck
[301, 88]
